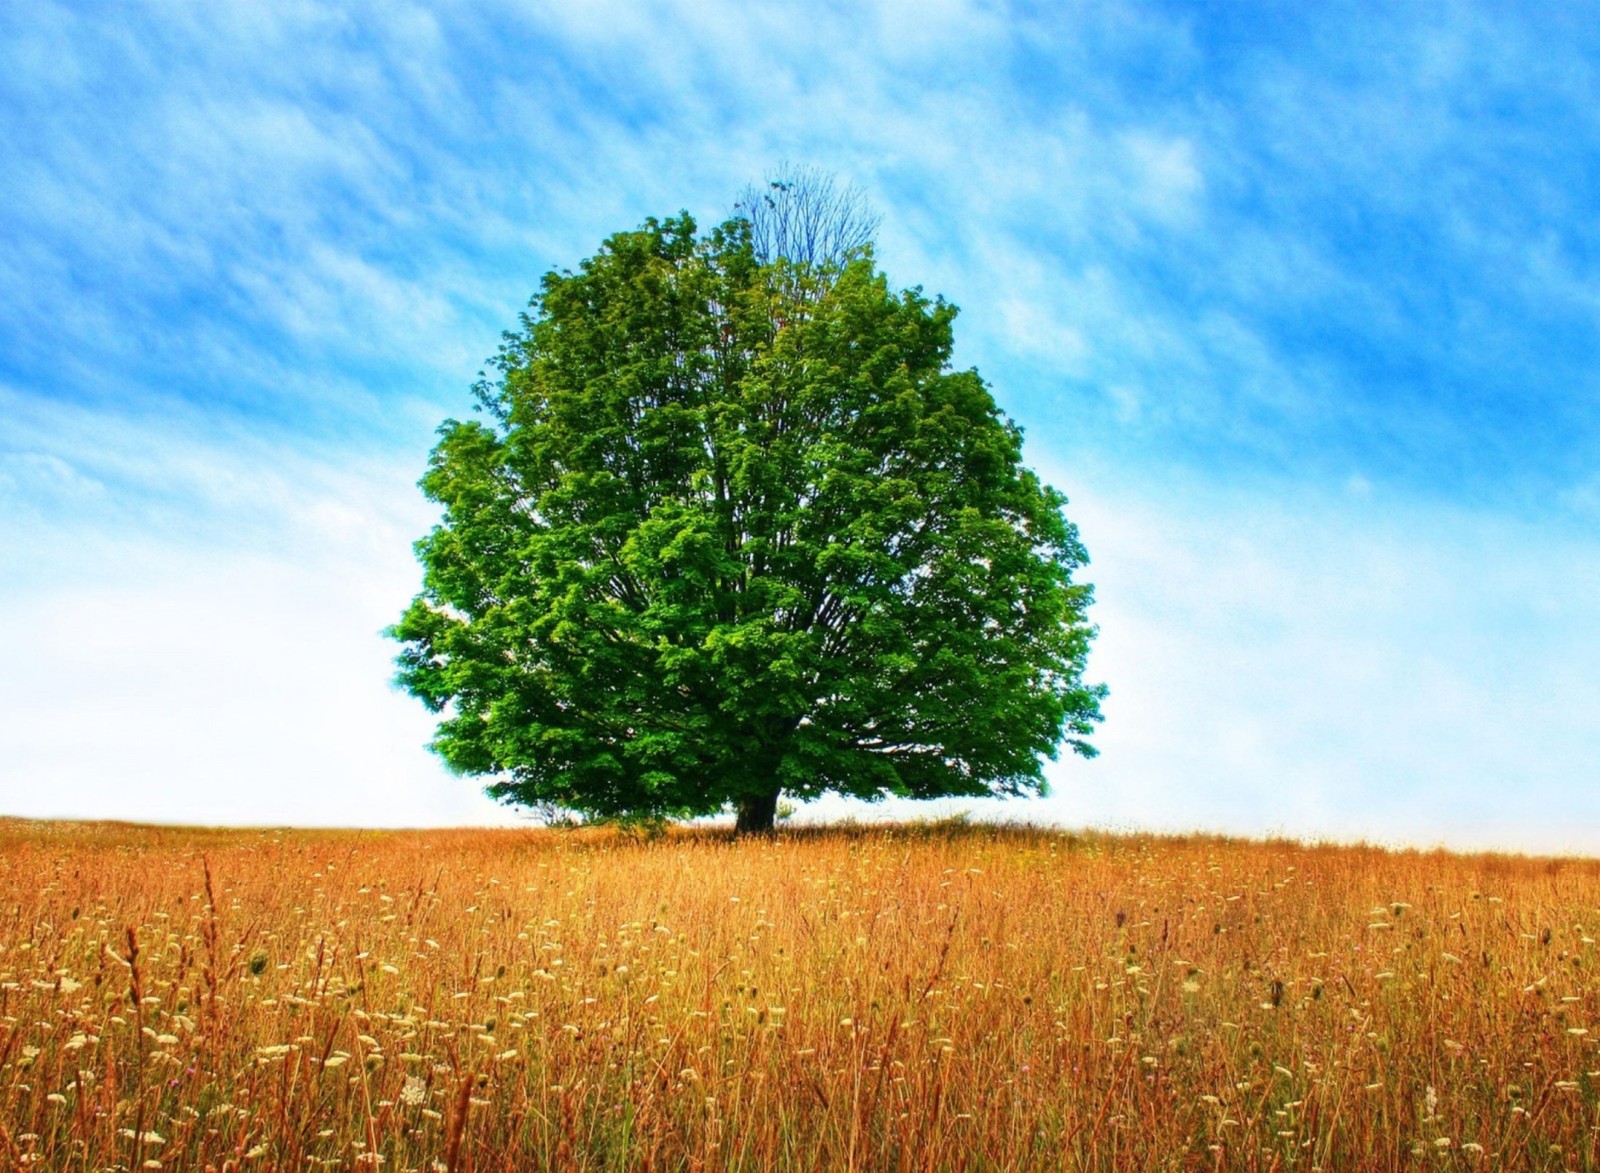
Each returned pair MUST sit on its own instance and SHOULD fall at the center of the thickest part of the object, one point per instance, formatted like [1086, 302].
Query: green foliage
[730, 528]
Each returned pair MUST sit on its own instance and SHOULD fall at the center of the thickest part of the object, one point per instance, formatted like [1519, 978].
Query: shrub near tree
[730, 526]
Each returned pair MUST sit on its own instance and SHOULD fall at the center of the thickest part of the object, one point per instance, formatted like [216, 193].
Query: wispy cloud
[1338, 239]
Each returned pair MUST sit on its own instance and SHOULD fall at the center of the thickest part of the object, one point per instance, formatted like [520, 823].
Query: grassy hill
[892, 998]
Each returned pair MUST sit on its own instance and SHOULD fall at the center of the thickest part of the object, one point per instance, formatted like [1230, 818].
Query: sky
[1299, 305]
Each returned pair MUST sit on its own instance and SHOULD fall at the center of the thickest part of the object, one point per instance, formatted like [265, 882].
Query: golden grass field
[873, 999]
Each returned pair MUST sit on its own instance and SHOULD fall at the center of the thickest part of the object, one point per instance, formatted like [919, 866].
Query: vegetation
[905, 998]
[730, 527]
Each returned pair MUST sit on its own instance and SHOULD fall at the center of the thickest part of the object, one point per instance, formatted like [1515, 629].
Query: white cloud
[1167, 173]
[219, 690]
[1322, 665]
[166, 665]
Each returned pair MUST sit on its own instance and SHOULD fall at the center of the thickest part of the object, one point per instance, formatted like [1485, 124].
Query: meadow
[907, 998]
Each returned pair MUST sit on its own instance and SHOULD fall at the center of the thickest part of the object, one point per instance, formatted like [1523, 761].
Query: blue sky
[1300, 306]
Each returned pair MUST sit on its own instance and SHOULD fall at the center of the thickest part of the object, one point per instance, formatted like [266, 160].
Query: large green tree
[730, 526]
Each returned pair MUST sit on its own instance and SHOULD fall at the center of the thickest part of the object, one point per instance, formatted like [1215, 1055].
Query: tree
[715, 540]
[802, 215]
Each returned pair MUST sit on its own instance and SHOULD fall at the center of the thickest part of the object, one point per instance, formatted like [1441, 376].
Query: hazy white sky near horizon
[1302, 312]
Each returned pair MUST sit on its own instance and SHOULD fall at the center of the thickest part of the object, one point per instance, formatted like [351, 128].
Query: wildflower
[414, 1091]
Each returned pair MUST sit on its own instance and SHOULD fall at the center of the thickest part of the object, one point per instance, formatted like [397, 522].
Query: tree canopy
[730, 525]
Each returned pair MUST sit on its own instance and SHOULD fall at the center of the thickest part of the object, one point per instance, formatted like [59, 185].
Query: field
[909, 998]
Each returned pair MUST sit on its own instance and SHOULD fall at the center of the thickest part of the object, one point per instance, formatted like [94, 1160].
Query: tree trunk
[757, 813]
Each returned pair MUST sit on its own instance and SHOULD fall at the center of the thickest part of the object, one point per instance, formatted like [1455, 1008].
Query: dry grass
[875, 1000]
